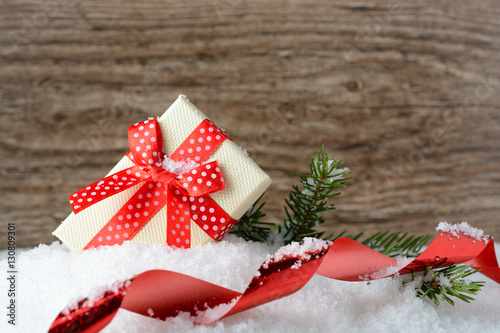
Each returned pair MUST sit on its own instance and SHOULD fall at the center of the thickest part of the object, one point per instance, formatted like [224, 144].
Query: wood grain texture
[405, 92]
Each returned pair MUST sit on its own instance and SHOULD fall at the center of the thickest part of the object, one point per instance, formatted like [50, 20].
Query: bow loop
[203, 180]
[146, 143]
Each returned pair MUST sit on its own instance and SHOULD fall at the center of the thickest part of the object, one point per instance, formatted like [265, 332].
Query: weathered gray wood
[408, 96]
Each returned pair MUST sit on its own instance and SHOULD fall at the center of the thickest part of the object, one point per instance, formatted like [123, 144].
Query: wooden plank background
[405, 92]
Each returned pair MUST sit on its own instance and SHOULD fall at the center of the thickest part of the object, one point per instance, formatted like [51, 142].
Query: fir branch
[250, 228]
[303, 207]
[446, 283]
[396, 245]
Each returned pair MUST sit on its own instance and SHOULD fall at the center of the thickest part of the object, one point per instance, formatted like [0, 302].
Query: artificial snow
[212, 314]
[400, 263]
[301, 250]
[463, 228]
[50, 277]
[95, 295]
[177, 167]
[338, 174]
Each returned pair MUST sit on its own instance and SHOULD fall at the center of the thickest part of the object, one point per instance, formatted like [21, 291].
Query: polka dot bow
[185, 194]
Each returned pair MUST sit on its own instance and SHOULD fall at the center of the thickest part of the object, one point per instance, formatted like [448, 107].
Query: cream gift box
[244, 184]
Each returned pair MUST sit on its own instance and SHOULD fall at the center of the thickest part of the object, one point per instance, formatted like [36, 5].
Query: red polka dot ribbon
[186, 195]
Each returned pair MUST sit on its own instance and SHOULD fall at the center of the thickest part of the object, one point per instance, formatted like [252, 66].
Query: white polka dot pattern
[200, 143]
[186, 196]
[146, 143]
[132, 216]
[106, 187]
[210, 217]
[179, 223]
[205, 179]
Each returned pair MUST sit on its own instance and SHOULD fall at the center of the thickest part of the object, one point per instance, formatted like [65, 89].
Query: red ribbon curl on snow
[163, 294]
[186, 195]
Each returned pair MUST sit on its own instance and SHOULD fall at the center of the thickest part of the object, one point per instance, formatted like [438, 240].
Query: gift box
[184, 182]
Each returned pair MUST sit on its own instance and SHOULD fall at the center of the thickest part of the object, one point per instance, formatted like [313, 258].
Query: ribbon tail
[487, 262]
[91, 319]
[106, 187]
[127, 222]
[178, 218]
[210, 217]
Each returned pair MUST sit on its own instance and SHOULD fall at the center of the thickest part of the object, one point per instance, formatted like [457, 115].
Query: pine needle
[250, 228]
[396, 245]
[303, 206]
[303, 209]
[448, 282]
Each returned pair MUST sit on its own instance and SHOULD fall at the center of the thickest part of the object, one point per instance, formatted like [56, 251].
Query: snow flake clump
[296, 250]
[441, 279]
[307, 191]
[338, 174]
[211, 314]
[97, 294]
[177, 167]
[297, 264]
[463, 228]
[396, 266]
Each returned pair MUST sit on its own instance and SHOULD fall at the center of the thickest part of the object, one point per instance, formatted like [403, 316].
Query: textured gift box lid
[245, 182]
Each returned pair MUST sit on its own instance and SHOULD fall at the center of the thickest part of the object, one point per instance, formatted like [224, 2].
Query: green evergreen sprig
[250, 227]
[303, 214]
[446, 283]
[304, 205]
[397, 245]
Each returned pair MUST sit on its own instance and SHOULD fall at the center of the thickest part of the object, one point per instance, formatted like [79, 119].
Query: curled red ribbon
[164, 293]
[186, 195]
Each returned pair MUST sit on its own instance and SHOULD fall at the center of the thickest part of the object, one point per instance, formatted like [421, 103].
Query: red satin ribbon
[186, 196]
[164, 293]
